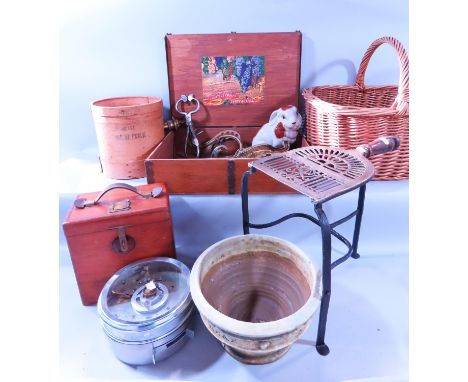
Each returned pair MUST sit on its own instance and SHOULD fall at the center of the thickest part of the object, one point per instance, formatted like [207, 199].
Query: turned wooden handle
[381, 145]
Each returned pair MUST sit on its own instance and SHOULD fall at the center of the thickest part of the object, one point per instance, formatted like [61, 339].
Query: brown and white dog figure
[282, 127]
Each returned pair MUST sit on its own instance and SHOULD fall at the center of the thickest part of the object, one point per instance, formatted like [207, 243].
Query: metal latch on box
[123, 243]
[121, 205]
[158, 350]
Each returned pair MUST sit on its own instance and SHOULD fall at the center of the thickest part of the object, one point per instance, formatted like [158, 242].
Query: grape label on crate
[233, 80]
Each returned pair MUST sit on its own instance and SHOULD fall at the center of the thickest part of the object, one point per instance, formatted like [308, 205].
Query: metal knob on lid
[146, 309]
[150, 297]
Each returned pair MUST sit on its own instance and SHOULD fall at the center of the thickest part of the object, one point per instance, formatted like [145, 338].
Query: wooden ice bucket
[127, 129]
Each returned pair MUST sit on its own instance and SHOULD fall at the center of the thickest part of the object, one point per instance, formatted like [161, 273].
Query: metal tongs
[188, 120]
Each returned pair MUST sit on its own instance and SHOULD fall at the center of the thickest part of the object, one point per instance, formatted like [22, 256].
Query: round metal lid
[147, 291]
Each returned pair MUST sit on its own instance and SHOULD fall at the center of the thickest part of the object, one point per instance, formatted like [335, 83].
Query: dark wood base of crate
[206, 175]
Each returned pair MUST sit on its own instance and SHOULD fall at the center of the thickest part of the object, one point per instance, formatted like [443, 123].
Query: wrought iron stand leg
[321, 347]
[245, 200]
[357, 224]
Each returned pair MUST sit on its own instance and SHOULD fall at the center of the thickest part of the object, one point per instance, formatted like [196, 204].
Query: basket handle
[402, 100]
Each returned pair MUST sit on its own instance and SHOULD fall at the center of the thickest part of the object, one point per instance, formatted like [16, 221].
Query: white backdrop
[112, 48]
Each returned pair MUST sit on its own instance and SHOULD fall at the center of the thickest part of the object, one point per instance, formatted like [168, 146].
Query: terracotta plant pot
[256, 294]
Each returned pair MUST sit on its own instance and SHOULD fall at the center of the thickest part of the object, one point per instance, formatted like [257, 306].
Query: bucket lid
[146, 292]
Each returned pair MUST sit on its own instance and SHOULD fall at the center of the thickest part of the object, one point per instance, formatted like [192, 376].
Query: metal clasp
[123, 243]
[121, 205]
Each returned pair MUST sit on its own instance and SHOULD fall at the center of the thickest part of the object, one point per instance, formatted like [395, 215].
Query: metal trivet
[321, 173]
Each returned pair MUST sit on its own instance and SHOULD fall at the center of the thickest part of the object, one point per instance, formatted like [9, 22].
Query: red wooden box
[120, 228]
[278, 85]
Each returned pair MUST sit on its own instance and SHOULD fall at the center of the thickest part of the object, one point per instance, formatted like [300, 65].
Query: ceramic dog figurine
[282, 127]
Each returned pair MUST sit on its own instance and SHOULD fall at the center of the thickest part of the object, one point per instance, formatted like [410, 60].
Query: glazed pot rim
[250, 329]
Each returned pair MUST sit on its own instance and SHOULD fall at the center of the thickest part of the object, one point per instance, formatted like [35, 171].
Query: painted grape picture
[233, 80]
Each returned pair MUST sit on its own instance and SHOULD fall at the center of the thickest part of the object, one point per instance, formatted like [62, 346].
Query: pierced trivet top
[319, 172]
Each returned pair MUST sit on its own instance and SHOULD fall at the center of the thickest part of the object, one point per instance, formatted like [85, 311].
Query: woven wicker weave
[347, 116]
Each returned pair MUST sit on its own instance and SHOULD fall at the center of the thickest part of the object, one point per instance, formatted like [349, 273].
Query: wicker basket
[347, 116]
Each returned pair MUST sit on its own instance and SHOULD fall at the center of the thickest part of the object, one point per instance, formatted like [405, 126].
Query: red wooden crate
[281, 54]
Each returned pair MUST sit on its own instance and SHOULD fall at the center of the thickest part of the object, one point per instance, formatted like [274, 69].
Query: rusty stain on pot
[256, 351]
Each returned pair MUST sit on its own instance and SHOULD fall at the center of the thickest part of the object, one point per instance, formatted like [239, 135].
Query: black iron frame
[328, 230]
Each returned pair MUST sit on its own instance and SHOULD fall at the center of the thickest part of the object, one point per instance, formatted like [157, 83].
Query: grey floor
[368, 319]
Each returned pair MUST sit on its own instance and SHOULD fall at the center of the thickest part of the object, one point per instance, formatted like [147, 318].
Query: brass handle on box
[82, 203]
